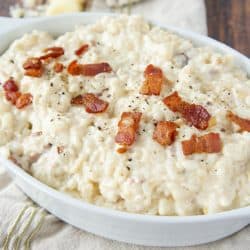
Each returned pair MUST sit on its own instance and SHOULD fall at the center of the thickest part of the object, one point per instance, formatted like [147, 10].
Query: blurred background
[227, 20]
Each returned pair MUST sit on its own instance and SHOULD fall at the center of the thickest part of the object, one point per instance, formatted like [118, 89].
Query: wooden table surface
[228, 21]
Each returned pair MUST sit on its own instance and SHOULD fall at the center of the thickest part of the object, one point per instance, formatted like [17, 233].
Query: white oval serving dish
[132, 228]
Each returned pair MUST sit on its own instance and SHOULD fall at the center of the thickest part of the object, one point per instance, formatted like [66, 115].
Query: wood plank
[229, 22]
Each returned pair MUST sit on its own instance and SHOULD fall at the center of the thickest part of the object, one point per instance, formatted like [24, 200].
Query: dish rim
[81, 204]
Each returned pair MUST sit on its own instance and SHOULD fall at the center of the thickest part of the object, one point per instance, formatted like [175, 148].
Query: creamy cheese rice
[75, 152]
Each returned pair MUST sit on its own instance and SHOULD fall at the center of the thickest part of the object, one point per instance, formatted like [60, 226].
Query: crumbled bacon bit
[82, 49]
[88, 69]
[52, 52]
[12, 96]
[122, 150]
[32, 63]
[209, 143]
[194, 114]
[174, 102]
[127, 128]
[153, 81]
[78, 100]
[10, 86]
[165, 132]
[244, 124]
[74, 68]
[92, 103]
[34, 72]
[24, 100]
[95, 69]
[197, 116]
[58, 67]
[33, 67]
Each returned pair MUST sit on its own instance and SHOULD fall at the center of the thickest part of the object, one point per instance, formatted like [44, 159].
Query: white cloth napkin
[188, 14]
[23, 225]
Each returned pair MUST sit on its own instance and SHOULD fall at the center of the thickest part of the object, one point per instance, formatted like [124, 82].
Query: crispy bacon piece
[91, 102]
[82, 49]
[58, 67]
[12, 96]
[33, 67]
[78, 100]
[74, 68]
[244, 124]
[88, 69]
[34, 72]
[32, 63]
[95, 69]
[127, 128]
[153, 81]
[24, 100]
[10, 86]
[11, 91]
[174, 102]
[197, 116]
[165, 132]
[209, 143]
[194, 114]
[52, 52]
